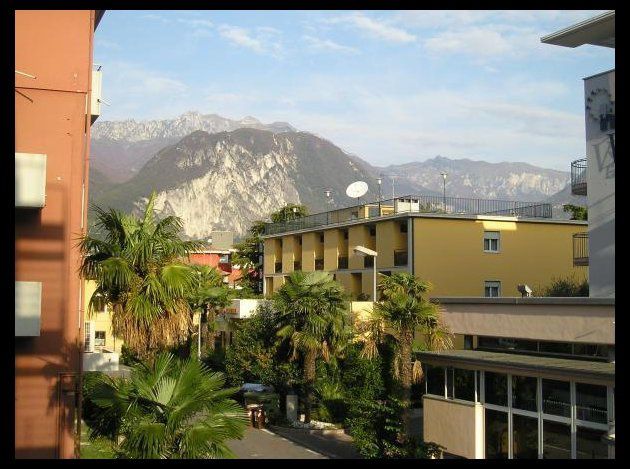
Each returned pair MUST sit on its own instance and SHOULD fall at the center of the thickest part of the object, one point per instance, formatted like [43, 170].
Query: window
[99, 339]
[556, 440]
[403, 227]
[300, 240]
[88, 345]
[492, 289]
[372, 231]
[590, 444]
[435, 380]
[556, 397]
[591, 402]
[491, 241]
[496, 388]
[524, 393]
[497, 445]
[524, 437]
[224, 259]
[464, 384]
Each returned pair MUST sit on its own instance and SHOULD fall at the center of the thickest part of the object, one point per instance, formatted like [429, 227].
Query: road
[263, 444]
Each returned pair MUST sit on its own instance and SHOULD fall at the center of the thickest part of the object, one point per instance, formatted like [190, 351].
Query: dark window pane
[524, 393]
[591, 350]
[486, 244]
[591, 402]
[590, 444]
[464, 384]
[525, 437]
[496, 434]
[556, 397]
[449, 383]
[556, 440]
[496, 388]
[435, 380]
[556, 347]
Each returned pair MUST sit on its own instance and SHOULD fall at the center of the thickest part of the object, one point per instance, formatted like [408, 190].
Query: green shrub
[564, 287]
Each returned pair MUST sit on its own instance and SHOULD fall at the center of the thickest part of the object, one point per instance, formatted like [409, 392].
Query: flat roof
[452, 216]
[547, 300]
[597, 31]
[573, 368]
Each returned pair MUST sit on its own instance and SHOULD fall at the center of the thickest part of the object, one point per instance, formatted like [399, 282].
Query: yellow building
[461, 251]
[98, 326]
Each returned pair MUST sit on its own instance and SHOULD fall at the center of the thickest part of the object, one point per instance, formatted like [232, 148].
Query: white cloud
[373, 27]
[472, 41]
[196, 23]
[318, 44]
[264, 42]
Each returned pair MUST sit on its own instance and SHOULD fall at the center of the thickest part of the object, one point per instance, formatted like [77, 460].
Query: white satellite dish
[357, 189]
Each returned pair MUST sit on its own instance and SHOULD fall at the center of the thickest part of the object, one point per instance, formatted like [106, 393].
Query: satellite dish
[357, 189]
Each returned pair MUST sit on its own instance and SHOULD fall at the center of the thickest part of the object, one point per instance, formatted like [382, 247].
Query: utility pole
[444, 191]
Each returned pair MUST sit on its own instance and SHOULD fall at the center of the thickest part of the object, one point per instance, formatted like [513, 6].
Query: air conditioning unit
[30, 180]
[97, 94]
[28, 309]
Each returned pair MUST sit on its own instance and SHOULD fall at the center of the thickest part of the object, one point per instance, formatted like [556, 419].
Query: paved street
[263, 444]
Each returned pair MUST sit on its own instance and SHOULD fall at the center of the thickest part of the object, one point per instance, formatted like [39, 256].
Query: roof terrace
[414, 204]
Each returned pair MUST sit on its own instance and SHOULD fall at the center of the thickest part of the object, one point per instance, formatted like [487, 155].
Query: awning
[594, 371]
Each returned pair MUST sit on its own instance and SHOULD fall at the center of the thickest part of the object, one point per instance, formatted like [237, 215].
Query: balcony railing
[578, 177]
[297, 265]
[414, 204]
[400, 257]
[319, 264]
[278, 267]
[342, 263]
[580, 249]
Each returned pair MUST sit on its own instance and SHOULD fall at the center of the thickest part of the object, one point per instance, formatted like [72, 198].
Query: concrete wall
[600, 193]
[456, 425]
[52, 117]
[97, 361]
[586, 323]
[449, 253]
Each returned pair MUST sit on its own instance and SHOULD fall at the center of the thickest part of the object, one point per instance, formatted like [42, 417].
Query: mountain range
[222, 174]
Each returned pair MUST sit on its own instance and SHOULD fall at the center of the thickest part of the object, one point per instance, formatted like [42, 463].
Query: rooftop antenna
[357, 189]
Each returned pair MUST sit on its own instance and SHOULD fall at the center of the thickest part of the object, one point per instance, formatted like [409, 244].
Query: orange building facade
[53, 85]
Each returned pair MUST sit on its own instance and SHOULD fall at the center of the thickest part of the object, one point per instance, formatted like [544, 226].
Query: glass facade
[556, 440]
[435, 380]
[524, 437]
[464, 384]
[556, 397]
[591, 402]
[524, 392]
[509, 344]
[590, 444]
[496, 388]
[497, 434]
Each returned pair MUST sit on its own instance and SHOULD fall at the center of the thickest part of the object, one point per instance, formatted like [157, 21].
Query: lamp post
[379, 181]
[444, 191]
[365, 252]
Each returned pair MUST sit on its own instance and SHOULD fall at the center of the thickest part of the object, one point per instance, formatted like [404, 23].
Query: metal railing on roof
[578, 177]
[414, 204]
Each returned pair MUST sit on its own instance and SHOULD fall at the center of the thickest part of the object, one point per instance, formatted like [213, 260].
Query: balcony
[580, 249]
[342, 263]
[578, 177]
[400, 257]
[278, 267]
[297, 265]
[319, 264]
[414, 204]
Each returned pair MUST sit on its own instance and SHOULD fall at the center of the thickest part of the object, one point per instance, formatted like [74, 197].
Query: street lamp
[379, 181]
[365, 252]
[444, 191]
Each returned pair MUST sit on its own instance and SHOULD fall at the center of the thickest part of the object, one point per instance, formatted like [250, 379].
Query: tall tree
[137, 264]
[248, 257]
[170, 409]
[289, 212]
[313, 318]
[401, 311]
[208, 296]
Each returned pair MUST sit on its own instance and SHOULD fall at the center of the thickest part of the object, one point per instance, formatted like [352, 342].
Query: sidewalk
[333, 444]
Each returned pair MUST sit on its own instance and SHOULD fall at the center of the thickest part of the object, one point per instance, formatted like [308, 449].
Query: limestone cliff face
[226, 180]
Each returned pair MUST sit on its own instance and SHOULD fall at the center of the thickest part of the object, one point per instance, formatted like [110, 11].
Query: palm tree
[401, 311]
[209, 295]
[170, 409]
[312, 317]
[136, 263]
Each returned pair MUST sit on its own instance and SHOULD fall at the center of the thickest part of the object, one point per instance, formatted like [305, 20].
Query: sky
[389, 86]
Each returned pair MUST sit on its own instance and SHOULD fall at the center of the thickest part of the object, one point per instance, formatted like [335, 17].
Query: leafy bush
[564, 286]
